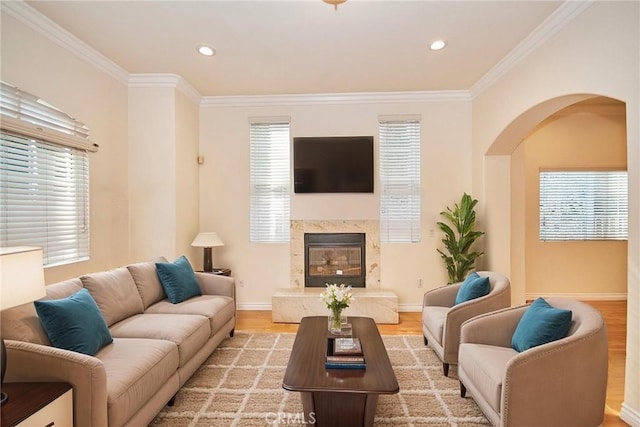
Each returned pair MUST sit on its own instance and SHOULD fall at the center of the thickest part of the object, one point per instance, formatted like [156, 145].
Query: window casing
[583, 205]
[270, 175]
[400, 200]
[44, 178]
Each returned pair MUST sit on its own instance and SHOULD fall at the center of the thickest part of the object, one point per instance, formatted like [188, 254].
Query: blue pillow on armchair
[178, 280]
[474, 286]
[540, 324]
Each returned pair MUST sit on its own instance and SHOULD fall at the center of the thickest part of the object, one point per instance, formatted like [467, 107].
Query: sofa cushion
[178, 280]
[433, 317]
[115, 293]
[474, 286]
[485, 365]
[74, 323]
[540, 324]
[22, 323]
[147, 281]
[136, 369]
[218, 309]
[188, 332]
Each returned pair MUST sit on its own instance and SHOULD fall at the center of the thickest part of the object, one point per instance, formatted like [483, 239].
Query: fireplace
[334, 258]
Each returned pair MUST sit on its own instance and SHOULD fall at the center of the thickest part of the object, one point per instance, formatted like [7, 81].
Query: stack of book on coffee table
[344, 353]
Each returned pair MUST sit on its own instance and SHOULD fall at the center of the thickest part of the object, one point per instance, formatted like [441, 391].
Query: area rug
[241, 385]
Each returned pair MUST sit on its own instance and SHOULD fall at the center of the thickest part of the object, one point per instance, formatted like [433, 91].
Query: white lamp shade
[207, 240]
[22, 276]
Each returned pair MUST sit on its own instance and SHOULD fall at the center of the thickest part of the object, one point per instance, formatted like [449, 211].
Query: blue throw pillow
[540, 324]
[473, 287]
[178, 280]
[74, 323]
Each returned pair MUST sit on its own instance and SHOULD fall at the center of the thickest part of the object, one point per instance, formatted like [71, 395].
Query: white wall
[152, 172]
[260, 269]
[36, 65]
[597, 53]
[187, 179]
[163, 170]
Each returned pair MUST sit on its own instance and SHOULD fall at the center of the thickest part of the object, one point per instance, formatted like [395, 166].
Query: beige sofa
[560, 383]
[442, 318]
[156, 345]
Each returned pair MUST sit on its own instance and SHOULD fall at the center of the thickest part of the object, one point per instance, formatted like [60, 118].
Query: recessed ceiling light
[437, 45]
[206, 51]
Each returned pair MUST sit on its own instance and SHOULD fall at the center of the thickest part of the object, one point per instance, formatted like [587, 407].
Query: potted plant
[458, 258]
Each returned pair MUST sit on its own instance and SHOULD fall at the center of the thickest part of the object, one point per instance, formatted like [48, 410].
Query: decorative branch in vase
[336, 298]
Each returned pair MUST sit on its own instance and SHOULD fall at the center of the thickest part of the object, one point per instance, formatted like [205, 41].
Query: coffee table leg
[308, 408]
[327, 409]
[370, 409]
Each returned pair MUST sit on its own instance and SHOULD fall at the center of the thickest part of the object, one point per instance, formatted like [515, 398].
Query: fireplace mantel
[371, 229]
[291, 303]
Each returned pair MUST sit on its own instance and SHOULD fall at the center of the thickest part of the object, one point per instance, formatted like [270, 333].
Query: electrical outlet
[419, 283]
[241, 283]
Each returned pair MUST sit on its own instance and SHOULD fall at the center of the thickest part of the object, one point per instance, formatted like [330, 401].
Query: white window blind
[28, 115]
[583, 205]
[44, 178]
[270, 181]
[399, 180]
[44, 189]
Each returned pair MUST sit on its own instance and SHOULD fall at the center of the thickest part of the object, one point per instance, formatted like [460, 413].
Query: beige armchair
[442, 319]
[561, 383]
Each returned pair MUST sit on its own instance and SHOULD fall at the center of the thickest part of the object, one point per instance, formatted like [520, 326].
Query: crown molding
[164, 80]
[549, 27]
[335, 99]
[43, 25]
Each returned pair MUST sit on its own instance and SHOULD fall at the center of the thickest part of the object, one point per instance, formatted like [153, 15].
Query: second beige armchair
[442, 318]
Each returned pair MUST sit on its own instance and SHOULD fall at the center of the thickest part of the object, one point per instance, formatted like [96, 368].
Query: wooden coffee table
[338, 397]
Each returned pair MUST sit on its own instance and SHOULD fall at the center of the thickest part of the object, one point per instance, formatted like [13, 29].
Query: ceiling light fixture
[335, 3]
[206, 50]
[437, 45]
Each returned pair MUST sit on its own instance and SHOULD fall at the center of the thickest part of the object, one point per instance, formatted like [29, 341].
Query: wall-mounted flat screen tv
[337, 164]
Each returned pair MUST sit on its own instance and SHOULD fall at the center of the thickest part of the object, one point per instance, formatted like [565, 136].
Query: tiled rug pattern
[241, 385]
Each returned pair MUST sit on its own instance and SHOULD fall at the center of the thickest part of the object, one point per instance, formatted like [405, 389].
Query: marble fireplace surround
[290, 304]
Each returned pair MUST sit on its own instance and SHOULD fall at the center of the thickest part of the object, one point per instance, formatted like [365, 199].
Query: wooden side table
[218, 271]
[37, 404]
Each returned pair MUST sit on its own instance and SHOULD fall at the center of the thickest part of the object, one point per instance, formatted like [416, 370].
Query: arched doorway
[527, 145]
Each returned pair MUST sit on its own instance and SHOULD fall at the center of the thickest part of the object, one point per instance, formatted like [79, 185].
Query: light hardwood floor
[614, 312]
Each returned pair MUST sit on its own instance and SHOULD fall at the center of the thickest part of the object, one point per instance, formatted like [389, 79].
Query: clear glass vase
[336, 321]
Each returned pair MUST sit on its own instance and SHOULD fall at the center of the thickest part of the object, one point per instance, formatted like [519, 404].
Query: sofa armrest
[444, 296]
[214, 284]
[566, 382]
[28, 362]
[494, 328]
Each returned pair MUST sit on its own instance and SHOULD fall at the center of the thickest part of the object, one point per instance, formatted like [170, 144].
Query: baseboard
[256, 306]
[417, 308]
[630, 416]
[579, 296]
[410, 308]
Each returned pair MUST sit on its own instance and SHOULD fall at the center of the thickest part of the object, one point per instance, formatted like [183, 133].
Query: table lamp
[207, 240]
[21, 282]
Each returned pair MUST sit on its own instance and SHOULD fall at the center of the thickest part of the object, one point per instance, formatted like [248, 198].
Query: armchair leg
[463, 390]
[445, 369]
[425, 340]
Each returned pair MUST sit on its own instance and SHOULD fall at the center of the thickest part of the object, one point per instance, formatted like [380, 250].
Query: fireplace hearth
[334, 258]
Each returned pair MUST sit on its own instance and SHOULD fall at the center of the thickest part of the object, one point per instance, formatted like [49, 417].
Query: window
[399, 179]
[270, 180]
[44, 178]
[583, 205]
